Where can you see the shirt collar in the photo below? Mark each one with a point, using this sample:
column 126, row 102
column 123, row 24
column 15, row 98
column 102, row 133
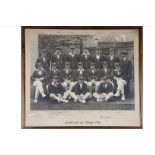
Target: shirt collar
column 54, row 69
column 111, row 56
column 86, row 54
column 55, row 83
column 97, row 55
column 81, row 69
column 67, row 69
column 71, row 54
column 57, row 54
column 40, row 69
column 124, row 59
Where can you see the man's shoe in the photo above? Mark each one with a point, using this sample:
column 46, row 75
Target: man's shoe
column 82, row 101
column 75, row 100
column 117, row 93
column 65, row 101
column 35, row 100
column 43, row 95
column 98, row 100
column 123, row 98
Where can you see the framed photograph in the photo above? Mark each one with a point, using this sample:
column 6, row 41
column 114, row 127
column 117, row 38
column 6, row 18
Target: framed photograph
column 82, row 77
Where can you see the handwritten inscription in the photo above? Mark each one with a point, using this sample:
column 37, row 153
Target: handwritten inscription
column 83, row 122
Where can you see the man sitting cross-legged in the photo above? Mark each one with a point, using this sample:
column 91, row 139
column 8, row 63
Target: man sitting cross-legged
column 80, row 91
column 56, row 90
column 105, row 90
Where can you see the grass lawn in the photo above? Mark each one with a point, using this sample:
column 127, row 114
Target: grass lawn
column 47, row 104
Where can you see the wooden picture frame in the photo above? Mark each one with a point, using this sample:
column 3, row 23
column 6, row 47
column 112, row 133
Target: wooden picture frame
column 114, row 114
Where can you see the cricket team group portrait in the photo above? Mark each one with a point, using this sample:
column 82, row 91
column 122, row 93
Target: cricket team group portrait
column 85, row 71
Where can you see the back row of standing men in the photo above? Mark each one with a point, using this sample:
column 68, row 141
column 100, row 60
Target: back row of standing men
column 96, row 71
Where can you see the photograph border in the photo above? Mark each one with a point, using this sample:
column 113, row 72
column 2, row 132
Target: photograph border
column 23, row 66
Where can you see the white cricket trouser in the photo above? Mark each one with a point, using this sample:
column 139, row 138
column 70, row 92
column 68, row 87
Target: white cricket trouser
column 68, row 85
column 103, row 95
column 39, row 88
column 82, row 96
column 120, row 84
column 93, row 82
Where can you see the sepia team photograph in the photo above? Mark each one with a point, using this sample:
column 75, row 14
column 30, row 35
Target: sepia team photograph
column 78, row 72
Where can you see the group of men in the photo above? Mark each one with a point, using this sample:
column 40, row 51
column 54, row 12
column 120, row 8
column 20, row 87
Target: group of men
column 81, row 77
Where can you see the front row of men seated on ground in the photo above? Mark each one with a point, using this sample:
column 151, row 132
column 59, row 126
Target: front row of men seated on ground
column 103, row 80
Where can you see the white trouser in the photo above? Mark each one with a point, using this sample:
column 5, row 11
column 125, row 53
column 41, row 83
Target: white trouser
column 39, row 88
column 103, row 95
column 120, row 85
column 57, row 97
column 91, row 83
column 81, row 96
column 97, row 86
column 66, row 94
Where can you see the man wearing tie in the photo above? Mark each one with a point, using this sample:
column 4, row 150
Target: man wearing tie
column 126, row 66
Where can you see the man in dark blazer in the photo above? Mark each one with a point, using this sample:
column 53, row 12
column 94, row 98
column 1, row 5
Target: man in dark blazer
column 54, row 72
column 98, row 58
column 80, row 92
column 112, row 58
column 106, row 71
column 44, row 59
column 68, row 77
column 72, row 57
column 85, row 58
column 92, row 77
column 126, row 66
column 56, row 91
column 105, row 90
column 80, row 71
column 58, row 58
